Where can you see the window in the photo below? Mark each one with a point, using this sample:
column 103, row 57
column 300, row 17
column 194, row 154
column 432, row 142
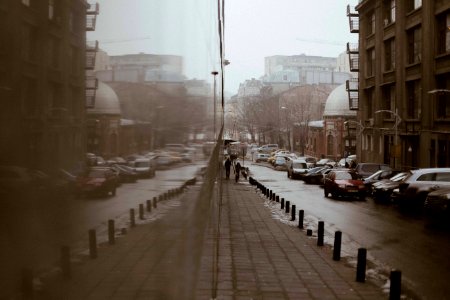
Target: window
column 370, row 23
column 414, row 40
column 388, row 12
column 54, row 52
column 30, row 106
column 389, row 97
column 370, row 71
column 29, row 42
column 443, row 99
column 369, row 103
column 413, row 99
column 411, row 5
column 389, row 55
column 443, row 33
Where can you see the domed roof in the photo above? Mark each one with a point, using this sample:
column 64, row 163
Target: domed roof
column 106, row 101
column 338, row 104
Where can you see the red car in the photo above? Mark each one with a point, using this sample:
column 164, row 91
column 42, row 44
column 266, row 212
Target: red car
column 100, row 181
column 344, row 183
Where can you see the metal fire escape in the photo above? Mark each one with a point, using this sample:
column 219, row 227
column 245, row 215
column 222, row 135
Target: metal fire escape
column 91, row 52
column 352, row 85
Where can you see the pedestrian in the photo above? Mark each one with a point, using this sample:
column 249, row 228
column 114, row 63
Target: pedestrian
column 237, row 170
column 227, row 167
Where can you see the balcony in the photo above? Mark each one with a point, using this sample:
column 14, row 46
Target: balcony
column 352, row 87
column 353, row 19
column 353, row 56
column 91, row 52
column 91, row 16
column 91, row 90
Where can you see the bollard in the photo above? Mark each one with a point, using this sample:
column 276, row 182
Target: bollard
column 141, row 211
column 337, row 245
column 361, row 265
column 132, row 221
column 111, row 231
column 149, row 205
column 277, row 199
column 270, row 196
column 282, row 203
column 155, row 203
column 320, row 232
column 309, row 232
column 274, row 196
column 65, row 262
column 92, row 244
column 396, row 285
column 160, row 198
column 301, row 216
column 293, row 213
column 288, row 207
column 27, row 283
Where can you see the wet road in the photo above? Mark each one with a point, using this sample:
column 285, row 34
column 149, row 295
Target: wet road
column 393, row 239
column 33, row 230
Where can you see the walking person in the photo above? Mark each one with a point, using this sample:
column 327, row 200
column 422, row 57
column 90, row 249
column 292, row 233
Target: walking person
column 227, row 167
column 237, row 170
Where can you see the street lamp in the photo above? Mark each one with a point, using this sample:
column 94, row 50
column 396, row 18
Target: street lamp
column 214, row 73
column 398, row 120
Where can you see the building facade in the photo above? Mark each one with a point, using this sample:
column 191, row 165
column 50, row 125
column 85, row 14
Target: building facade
column 403, row 58
column 42, row 82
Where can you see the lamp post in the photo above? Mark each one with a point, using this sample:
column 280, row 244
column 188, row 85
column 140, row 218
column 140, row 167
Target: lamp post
column 214, row 73
column 398, row 120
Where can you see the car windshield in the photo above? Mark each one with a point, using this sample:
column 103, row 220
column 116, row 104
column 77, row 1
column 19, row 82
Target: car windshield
column 346, row 176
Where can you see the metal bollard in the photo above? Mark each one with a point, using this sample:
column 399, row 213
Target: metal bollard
column 27, row 283
column 92, row 244
column 301, row 216
column 288, row 207
column 160, row 198
column 293, row 213
column 148, row 204
column 320, row 232
column 396, row 285
column 132, row 221
column 337, row 245
column 361, row 265
column 282, row 203
column 274, row 196
column 309, row 232
column 111, row 231
column 277, row 198
column 270, row 195
column 141, row 211
column 65, row 262
column 155, row 203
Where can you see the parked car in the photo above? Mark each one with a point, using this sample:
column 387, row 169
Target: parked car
column 268, row 148
column 437, row 205
column 364, row 170
column 382, row 190
column 97, row 181
column 296, row 168
column 377, row 176
column 326, row 161
column 413, row 191
column 126, row 173
column 261, row 157
column 144, row 167
column 280, row 162
column 344, row 183
column 315, row 175
column 175, row 148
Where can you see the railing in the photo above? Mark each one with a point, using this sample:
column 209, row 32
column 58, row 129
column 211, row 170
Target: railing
column 91, row 16
column 91, row 90
column 352, row 85
column 352, row 48
column 354, row 62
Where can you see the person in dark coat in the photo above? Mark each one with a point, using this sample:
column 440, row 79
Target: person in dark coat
column 237, row 169
column 227, row 167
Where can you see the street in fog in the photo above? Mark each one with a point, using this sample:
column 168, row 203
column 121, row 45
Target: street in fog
column 393, row 239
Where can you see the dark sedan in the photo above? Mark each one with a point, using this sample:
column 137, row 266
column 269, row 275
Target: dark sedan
column 382, row 190
column 315, row 175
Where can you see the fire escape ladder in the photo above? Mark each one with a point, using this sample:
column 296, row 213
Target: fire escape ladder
column 91, row 16
column 91, row 52
column 353, row 19
column 352, row 87
column 91, row 89
column 353, row 56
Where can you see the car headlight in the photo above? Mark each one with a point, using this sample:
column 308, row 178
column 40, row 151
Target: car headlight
column 342, row 186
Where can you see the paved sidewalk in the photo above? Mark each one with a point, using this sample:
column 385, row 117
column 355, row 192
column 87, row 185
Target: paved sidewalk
column 174, row 257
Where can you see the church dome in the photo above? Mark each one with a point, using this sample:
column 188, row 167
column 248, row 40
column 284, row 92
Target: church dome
column 337, row 104
column 106, row 101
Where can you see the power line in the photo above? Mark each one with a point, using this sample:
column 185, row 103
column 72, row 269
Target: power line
column 113, row 41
